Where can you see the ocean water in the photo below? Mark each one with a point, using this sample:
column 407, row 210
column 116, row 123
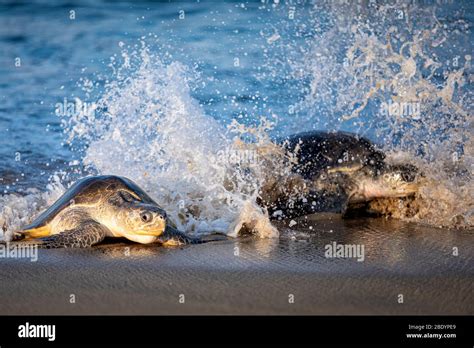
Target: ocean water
column 180, row 96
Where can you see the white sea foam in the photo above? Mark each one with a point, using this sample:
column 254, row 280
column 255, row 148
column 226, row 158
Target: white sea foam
column 17, row 210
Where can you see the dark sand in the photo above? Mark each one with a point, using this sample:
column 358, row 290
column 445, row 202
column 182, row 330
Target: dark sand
column 400, row 258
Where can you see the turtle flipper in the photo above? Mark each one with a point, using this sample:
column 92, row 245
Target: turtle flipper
column 85, row 235
column 173, row 237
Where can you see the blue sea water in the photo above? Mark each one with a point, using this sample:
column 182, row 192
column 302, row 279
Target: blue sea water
column 282, row 60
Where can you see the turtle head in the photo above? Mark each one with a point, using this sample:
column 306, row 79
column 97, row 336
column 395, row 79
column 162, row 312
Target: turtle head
column 135, row 218
column 390, row 181
column 146, row 219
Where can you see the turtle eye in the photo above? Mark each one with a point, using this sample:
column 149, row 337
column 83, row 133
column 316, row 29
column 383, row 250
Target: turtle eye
column 146, row 217
column 408, row 176
column 127, row 197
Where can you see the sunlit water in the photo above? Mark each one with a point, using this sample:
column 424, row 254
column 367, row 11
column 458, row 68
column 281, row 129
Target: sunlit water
column 161, row 93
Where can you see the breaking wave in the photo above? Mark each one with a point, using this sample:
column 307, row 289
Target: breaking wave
column 398, row 72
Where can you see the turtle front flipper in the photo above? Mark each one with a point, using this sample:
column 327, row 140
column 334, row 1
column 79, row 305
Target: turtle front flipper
column 84, row 235
column 172, row 237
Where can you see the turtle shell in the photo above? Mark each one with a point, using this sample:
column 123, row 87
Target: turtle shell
column 90, row 190
column 317, row 151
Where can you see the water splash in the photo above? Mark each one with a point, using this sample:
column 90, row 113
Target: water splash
column 152, row 131
column 17, row 210
column 399, row 73
column 147, row 127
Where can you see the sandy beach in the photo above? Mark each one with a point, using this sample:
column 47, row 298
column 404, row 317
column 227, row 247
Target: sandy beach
column 289, row 275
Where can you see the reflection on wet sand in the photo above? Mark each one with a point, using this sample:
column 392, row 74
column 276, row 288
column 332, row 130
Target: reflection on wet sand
column 387, row 243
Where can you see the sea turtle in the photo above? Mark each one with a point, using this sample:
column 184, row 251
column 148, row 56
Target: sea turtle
column 336, row 171
column 96, row 207
column 318, row 151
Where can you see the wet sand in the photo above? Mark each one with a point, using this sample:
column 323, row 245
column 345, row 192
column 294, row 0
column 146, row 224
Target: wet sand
column 252, row 276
